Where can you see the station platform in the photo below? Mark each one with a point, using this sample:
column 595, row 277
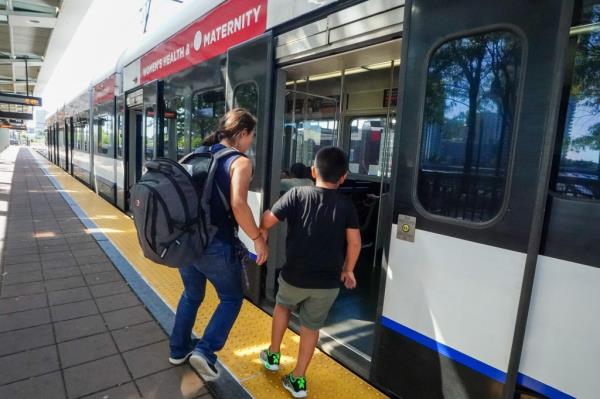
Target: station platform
column 82, row 312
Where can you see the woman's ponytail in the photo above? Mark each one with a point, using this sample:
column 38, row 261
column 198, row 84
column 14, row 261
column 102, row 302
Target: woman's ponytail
column 211, row 139
column 231, row 125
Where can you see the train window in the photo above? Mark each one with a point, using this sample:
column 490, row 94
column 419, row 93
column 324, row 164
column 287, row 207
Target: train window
column 149, row 134
column 246, row 96
column 579, row 167
column 120, row 125
column 470, row 103
column 105, row 135
column 207, row 108
column 366, row 134
column 86, row 137
column 175, row 115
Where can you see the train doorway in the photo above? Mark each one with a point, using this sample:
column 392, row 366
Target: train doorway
column 133, row 143
column 347, row 100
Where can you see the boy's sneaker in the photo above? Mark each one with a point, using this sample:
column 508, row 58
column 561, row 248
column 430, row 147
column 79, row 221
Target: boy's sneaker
column 207, row 371
column 180, row 360
column 270, row 360
column 296, row 386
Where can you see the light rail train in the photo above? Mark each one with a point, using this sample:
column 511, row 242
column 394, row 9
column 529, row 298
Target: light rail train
column 473, row 134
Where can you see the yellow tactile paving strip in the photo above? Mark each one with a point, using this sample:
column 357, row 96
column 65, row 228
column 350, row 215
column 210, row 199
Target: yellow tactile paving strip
column 251, row 333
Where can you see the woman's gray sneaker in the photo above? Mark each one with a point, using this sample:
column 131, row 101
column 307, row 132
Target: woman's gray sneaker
column 207, row 371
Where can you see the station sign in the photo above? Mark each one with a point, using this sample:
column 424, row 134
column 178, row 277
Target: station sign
column 9, row 98
column 229, row 24
column 105, row 90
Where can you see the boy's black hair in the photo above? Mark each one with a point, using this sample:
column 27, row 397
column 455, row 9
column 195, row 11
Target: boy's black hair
column 331, row 164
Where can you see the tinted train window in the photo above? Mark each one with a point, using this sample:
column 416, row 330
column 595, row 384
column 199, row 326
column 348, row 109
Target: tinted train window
column 175, row 124
column 579, row 170
column 105, row 135
column 207, row 108
column 366, row 135
column 120, row 124
column 468, row 122
column 149, row 134
column 246, row 96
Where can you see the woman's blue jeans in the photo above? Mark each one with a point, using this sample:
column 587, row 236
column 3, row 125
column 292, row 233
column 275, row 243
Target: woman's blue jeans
column 219, row 265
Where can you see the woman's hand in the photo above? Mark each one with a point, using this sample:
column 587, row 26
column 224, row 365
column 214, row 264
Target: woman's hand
column 261, row 249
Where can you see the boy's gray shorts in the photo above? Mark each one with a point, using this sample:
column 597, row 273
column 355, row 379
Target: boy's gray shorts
column 313, row 304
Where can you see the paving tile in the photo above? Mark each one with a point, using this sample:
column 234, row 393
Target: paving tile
column 29, row 338
column 64, row 283
column 21, row 251
column 86, row 349
column 22, row 289
column 58, row 261
column 61, row 272
column 126, row 317
column 101, row 290
column 86, row 260
column 77, row 328
column 52, row 242
column 80, row 238
column 51, row 385
column 102, row 278
column 70, row 295
column 22, row 277
column 174, row 383
column 139, row 335
column 88, row 252
column 28, row 318
column 119, row 301
column 28, row 364
column 95, row 376
column 148, row 359
column 97, row 268
column 23, row 267
column 44, row 250
column 73, row 310
column 85, row 245
column 126, row 391
column 16, row 259
column 28, row 243
column 21, row 303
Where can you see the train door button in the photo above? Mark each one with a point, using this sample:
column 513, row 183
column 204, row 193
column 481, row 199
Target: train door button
column 406, row 228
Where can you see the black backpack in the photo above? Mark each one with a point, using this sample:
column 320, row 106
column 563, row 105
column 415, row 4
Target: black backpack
column 171, row 206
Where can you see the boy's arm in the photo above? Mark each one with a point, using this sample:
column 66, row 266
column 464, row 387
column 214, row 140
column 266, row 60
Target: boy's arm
column 279, row 211
column 268, row 220
column 352, row 252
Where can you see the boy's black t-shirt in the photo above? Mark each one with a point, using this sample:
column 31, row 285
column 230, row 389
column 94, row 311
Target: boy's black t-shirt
column 316, row 237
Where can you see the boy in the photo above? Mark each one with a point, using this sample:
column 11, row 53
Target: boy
column 323, row 243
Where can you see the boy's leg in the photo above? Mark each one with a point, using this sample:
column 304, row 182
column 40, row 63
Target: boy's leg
column 313, row 313
column 281, row 317
column 308, row 343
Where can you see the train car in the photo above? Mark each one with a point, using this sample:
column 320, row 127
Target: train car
column 472, row 134
column 81, row 161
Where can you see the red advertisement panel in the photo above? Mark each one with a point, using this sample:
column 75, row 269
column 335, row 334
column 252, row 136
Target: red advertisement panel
column 233, row 22
column 104, row 90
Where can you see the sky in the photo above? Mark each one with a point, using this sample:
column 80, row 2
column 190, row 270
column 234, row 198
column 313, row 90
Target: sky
column 108, row 28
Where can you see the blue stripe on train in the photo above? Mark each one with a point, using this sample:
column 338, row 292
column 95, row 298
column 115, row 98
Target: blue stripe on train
column 471, row 362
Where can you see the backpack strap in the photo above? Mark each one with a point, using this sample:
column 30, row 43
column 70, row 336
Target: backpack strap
column 232, row 155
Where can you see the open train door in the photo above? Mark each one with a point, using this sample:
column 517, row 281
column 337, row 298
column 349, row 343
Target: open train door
column 481, row 85
column 249, row 74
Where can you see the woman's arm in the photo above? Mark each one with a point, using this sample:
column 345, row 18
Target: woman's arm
column 241, row 173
